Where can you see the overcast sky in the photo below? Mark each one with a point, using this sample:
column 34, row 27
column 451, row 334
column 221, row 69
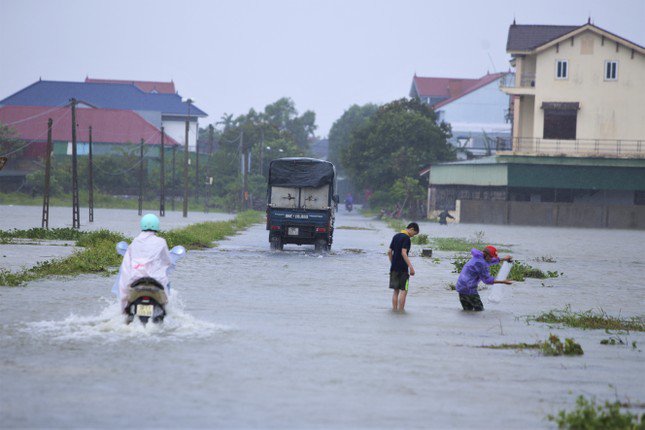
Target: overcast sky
column 233, row 55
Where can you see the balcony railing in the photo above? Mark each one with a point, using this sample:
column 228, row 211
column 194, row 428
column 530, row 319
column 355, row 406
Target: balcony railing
column 580, row 147
column 527, row 80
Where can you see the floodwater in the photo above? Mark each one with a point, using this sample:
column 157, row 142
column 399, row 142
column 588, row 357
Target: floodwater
column 262, row 339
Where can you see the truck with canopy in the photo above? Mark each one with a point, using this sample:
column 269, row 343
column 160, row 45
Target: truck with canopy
column 301, row 202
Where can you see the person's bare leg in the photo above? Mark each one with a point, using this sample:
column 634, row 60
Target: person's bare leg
column 402, row 297
column 395, row 299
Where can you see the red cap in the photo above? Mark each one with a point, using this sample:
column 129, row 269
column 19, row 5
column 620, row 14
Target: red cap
column 492, row 251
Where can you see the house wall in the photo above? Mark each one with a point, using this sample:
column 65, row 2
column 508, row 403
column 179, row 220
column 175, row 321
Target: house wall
column 526, row 114
column 484, row 108
column 551, row 214
column 608, row 109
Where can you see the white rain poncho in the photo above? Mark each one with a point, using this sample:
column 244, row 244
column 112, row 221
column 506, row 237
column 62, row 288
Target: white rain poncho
column 147, row 256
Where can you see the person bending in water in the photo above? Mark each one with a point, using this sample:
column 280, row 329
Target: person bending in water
column 475, row 270
column 400, row 263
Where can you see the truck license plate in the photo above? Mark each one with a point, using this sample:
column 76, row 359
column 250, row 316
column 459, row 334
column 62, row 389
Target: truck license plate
column 144, row 310
column 292, row 231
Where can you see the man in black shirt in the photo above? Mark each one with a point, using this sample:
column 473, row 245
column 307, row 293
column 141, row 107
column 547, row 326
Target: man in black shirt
column 399, row 264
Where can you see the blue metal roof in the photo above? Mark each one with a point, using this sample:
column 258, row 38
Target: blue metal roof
column 107, row 96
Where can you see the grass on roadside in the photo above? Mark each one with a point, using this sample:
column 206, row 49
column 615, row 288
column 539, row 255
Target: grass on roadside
column 589, row 319
column 99, row 256
column 203, row 234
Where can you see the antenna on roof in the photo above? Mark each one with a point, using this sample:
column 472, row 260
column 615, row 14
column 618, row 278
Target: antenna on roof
column 491, row 62
column 514, row 20
column 589, row 19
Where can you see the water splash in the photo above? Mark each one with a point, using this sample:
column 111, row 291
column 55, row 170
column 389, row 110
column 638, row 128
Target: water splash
column 109, row 326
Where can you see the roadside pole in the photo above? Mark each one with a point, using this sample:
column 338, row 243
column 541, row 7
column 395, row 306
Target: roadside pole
column 76, row 218
column 162, row 178
column 48, row 167
column 90, row 179
column 141, row 178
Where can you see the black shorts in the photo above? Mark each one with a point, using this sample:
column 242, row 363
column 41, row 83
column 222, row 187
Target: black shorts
column 471, row 302
column 399, row 280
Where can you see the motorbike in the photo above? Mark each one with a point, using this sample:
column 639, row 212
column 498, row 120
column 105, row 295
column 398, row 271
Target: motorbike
column 147, row 298
column 349, row 206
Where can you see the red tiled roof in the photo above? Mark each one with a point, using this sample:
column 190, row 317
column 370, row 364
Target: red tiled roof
column 108, row 125
column 145, row 86
column 440, row 87
column 478, row 83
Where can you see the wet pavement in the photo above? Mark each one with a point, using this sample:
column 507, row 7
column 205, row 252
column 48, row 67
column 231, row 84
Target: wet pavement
column 293, row 339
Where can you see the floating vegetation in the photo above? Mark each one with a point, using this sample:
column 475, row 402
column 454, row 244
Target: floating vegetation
column 545, row 259
column 514, row 346
column 354, row 250
column 420, row 239
column 519, row 271
column 452, row 287
column 553, row 346
column 99, row 256
column 590, row 415
column 589, row 320
column 455, row 244
column 347, row 227
column 617, row 340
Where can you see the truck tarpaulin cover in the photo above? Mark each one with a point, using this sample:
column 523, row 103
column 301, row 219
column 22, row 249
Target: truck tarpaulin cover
column 301, row 172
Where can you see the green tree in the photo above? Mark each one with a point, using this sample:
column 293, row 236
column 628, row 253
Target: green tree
column 9, row 141
column 396, row 142
column 341, row 131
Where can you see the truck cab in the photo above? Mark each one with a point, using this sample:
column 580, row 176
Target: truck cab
column 301, row 202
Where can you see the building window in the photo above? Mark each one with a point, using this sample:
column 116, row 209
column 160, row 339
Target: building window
column 560, row 124
column 561, row 69
column 611, row 70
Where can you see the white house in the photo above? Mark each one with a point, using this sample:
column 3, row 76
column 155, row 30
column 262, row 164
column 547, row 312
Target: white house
column 477, row 109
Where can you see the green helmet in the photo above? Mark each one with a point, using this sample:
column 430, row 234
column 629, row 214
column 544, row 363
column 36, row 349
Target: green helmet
column 150, row 222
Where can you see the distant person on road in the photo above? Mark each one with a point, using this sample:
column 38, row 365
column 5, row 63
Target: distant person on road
column 399, row 265
column 443, row 216
column 349, row 202
column 474, row 271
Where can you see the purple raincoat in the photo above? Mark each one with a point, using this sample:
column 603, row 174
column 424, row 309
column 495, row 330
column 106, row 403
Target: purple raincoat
column 474, row 271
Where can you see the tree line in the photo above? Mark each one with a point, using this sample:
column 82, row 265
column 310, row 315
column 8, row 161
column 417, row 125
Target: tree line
column 378, row 151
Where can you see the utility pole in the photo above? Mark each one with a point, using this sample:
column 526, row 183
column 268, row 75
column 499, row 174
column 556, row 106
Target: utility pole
column 174, row 153
column 262, row 150
column 90, row 180
column 186, row 162
column 76, row 218
column 197, row 184
column 48, row 167
column 162, row 178
column 245, row 172
column 141, row 178
column 208, row 191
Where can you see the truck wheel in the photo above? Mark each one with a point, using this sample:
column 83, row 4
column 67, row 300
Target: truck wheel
column 321, row 245
column 276, row 243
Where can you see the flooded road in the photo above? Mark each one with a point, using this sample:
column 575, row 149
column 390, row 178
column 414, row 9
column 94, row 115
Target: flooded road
column 261, row 339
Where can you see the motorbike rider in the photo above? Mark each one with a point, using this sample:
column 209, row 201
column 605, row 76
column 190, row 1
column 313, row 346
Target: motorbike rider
column 147, row 256
column 349, row 202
